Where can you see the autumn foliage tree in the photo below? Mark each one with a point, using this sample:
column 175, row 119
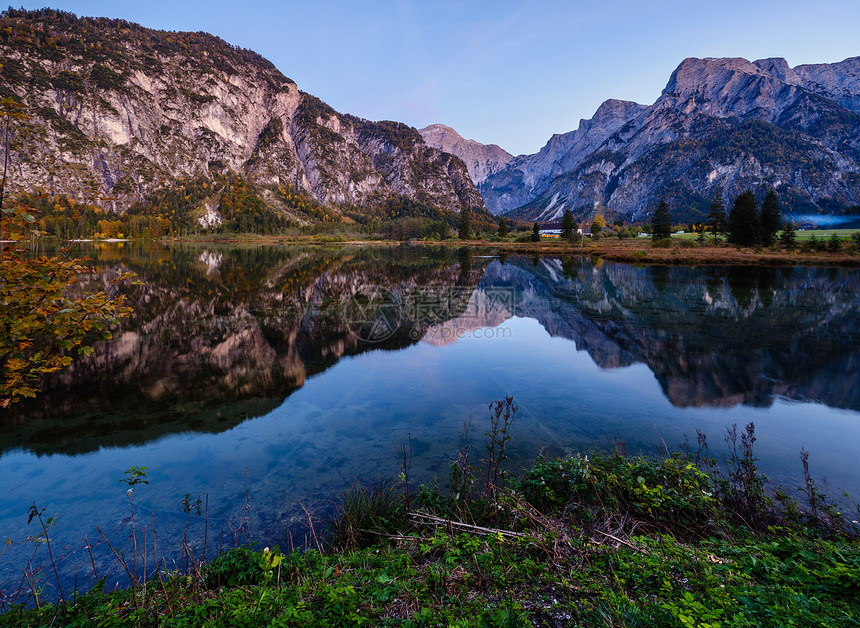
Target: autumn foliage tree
column 42, row 325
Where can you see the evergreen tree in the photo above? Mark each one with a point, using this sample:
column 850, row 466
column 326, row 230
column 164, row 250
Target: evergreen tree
column 788, row 238
column 567, row 225
column 716, row 222
column 503, row 227
column 535, row 233
column 771, row 219
column 744, row 220
column 661, row 222
column 465, row 231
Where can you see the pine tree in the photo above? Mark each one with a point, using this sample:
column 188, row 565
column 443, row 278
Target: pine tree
column 503, row 227
column 771, row 219
column 788, row 238
column 661, row 223
column 744, row 220
column 567, row 226
column 465, row 231
column 716, row 222
column 535, row 233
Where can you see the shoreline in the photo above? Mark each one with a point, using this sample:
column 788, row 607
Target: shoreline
column 639, row 251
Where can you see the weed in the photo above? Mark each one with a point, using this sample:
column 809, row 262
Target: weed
column 743, row 489
column 502, row 414
column 365, row 513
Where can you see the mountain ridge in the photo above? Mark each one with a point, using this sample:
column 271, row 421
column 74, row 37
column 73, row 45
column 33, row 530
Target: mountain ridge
column 720, row 124
column 124, row 112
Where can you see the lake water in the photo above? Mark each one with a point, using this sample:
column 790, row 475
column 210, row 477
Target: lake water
column 270, row 378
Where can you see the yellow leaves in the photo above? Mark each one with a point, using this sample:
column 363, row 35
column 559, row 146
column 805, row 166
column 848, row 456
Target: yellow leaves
column 39, row 324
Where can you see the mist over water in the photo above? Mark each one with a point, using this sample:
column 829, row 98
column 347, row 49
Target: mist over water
column 825, row 221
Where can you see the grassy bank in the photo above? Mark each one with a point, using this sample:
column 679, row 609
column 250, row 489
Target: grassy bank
column 608, row 539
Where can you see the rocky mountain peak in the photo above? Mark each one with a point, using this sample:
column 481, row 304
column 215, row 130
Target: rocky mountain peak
column 778, row 68
column 441, row 131
column 612, row 111
column 482, row 160
column 709, row 76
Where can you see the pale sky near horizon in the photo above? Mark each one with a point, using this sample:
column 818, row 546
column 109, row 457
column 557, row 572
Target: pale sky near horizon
column 502, row 72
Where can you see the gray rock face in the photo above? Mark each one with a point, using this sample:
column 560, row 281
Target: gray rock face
column 720, row 125
column 482, row 160
column 840, row 81
column 119, row 111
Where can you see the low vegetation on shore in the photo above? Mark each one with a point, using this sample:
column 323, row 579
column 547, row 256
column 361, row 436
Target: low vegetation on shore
column 609, row 539
column 684, row 251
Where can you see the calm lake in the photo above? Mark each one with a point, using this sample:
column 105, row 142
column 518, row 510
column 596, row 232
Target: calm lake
column 270, row 378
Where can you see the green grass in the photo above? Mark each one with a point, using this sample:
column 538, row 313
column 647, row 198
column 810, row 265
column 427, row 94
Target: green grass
column 607, row 539
column 820, row 233
column 801, row 235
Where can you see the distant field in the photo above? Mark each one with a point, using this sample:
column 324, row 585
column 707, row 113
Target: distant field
column 805, row 235
column 801, row 235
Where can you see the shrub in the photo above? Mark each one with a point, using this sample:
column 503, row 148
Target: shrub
column 665, row 243
column 673, row 491
column 237, row 567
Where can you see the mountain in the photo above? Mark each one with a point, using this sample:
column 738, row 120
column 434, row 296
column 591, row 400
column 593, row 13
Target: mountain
column 720, row 125
column 132, row 114
column 482, row 160
column 527, row 176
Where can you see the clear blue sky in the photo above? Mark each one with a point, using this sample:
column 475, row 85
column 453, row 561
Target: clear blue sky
column 504, row 72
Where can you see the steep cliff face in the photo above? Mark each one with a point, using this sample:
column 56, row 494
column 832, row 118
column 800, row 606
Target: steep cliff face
column 482, row 160
column 120, row 111
column 720, row 125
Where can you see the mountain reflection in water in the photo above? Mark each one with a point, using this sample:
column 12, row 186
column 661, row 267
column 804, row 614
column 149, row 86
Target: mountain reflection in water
column 222, row 335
